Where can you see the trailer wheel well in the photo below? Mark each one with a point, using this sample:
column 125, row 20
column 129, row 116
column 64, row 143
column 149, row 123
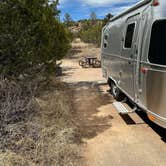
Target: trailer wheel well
column 110, row 81
column 115, row 91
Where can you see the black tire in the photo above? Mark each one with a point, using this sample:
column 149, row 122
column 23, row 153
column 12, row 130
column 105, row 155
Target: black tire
column 109, row 82
column 116, row 92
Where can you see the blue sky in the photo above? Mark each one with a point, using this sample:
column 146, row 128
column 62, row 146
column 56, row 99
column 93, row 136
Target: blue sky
column 81, row 9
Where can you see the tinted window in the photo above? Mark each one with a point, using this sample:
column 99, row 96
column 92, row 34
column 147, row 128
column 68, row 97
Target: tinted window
column 129, row 35
column 157, row 51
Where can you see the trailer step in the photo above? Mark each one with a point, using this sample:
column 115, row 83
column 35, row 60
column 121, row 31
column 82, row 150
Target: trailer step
column 122, row 109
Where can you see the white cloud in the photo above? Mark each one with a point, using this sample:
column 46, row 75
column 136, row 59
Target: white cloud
column 96, row 3
column 104, row 2
column 112, row 6
column 62, row 1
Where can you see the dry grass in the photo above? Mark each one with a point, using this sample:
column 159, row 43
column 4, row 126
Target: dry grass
column 57, row 143
column 86, row 49
column 36, row 128
column 78, row 43
column 12, row 159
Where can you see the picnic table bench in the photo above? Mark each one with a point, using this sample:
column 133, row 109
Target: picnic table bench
column 90, row 61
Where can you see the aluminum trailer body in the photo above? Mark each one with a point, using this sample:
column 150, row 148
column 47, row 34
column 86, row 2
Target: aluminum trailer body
column 134, row 56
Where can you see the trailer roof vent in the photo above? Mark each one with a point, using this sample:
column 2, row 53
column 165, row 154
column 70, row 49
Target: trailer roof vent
column 155, row 3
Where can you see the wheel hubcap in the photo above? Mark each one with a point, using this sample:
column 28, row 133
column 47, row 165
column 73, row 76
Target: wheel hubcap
column 114, row 89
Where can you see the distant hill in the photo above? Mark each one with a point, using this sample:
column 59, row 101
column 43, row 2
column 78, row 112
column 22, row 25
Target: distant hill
column 80, row 24
column 88, row 30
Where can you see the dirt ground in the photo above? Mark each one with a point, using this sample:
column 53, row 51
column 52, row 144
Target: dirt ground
column 109, row 139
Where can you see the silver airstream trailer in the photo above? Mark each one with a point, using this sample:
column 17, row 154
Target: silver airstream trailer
column 134, row 57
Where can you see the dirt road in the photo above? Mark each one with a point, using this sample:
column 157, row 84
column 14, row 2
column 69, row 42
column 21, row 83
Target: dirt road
column 109, row 139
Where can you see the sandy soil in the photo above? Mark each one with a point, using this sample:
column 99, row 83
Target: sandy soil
column 109, row 139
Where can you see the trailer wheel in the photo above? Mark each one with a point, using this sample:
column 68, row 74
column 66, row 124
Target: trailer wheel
column 116, row 92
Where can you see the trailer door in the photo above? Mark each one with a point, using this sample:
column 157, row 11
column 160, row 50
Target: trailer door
column 129, row 54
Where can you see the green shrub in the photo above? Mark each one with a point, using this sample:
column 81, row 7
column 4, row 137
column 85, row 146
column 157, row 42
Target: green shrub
column 30, row 34
column 91, row 33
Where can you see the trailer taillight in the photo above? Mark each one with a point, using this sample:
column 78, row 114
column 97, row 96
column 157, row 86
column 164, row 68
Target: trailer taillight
column 151, row 117
column 144, row 70
column 156, row 3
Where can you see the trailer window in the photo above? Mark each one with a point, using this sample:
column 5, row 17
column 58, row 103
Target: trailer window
column 129, row 35
column 157, row 49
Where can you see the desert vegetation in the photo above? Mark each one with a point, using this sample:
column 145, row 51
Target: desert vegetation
column 36, row 125
column 88, row 30
column 31, row 35
column 35, row 113
column 92, row 29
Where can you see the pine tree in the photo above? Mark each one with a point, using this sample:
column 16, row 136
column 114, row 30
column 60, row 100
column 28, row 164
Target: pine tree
column 68, row 20
column 30, row 34
column 93, row 18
